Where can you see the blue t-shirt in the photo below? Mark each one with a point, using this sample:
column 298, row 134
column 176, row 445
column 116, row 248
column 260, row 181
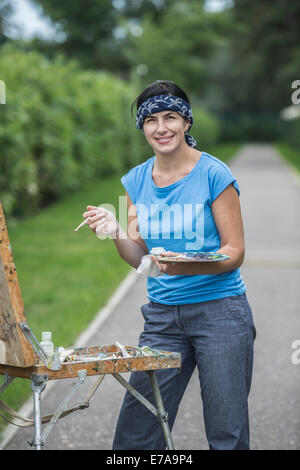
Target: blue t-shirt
column 179, row 218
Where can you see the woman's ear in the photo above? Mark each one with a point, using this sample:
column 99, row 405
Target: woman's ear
column 186, row 125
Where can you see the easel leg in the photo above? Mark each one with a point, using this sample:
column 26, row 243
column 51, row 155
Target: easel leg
column 162, row 414
column 37, row 386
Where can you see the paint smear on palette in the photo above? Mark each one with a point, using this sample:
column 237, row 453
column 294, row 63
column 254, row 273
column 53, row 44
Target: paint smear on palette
column 144, row 351
column 191, row 257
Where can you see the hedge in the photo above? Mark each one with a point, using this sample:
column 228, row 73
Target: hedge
column 256, row 127
column 293, row 134
column 205, row 129
column 62, row 126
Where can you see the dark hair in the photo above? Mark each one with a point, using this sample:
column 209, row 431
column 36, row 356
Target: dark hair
column 159, row 87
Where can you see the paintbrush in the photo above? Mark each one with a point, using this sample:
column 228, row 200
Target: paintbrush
column 81, row 225
column 123, row 349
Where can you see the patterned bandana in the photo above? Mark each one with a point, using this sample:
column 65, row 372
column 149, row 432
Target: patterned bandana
column 165, row 103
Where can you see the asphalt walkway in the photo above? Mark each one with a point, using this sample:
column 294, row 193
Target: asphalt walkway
column 270, row 207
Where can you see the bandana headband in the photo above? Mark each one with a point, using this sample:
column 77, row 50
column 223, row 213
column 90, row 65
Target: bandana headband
column 155, row 104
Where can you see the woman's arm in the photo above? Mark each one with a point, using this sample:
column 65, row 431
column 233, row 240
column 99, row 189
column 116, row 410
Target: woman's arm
column 131, row 247
column 228, row 219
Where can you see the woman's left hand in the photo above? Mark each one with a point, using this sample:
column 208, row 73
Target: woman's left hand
column 173, row 269
column 186, row 268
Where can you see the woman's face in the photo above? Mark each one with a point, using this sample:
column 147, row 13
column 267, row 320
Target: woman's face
column 165, row 130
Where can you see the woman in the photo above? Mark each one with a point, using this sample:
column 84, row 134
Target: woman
column 185, row 200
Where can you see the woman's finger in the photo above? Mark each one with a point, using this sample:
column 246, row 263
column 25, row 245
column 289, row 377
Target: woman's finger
column 88, row 214
column 97, row 217
column 100, row 228
column 97, row 225
column 94, row 213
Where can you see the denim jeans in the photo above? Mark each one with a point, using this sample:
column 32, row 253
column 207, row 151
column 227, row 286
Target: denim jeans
column 216, row 336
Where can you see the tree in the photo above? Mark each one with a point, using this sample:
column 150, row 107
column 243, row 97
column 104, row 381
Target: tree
column 179, row 48
column 5, row 11
column 94, row 30
column 263, row 54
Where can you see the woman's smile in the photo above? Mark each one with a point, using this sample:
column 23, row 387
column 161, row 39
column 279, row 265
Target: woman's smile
column 164, row 140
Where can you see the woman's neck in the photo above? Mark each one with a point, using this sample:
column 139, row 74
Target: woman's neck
column 180, row 161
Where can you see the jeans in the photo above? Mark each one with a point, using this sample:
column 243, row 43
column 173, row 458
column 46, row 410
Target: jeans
column 217, row 336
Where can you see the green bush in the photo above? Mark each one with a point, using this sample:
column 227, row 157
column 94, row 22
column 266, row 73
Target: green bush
column 251, row 127
column 60, row 127
column 293, row 134
column 205, row 129
column 290, row 153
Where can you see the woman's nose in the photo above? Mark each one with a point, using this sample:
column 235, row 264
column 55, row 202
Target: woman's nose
column 161, row 127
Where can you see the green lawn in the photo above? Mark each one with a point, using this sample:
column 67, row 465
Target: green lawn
column 66, row 277
column 290, row 154
column 224, row 151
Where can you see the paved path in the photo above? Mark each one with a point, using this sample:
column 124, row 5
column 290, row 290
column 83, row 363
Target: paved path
column 270, row 206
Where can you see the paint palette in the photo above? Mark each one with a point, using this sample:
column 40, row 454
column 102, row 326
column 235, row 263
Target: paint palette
column 191, row 257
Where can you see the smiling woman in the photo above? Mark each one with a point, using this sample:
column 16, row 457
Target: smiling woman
column 183, row 199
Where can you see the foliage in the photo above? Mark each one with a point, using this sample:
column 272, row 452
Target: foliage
column 257, row 64
column 92, row 33
column 5, row 12
column 239, row 61
column 60, row 127
column 293, row 134
column 291, row 154
column 206, row 128
column 266, row 45
column 259, row 126
column 177, row 48
column 121, row 35
column 85, row 31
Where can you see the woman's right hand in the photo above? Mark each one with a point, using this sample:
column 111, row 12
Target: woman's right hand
column 101, row 221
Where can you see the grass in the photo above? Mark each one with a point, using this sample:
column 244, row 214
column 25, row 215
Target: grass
column 290, row 154
column 66, row 277
column 224, row 151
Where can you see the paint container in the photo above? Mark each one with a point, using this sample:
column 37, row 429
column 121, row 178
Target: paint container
column 47, row 344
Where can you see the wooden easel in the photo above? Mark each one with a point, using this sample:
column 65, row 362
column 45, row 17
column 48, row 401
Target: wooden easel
column 21, row 356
